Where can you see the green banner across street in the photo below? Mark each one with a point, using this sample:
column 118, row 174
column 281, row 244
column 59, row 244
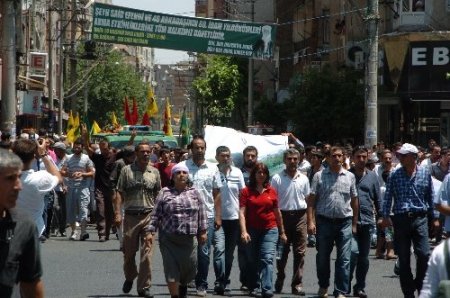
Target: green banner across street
column 121, row 25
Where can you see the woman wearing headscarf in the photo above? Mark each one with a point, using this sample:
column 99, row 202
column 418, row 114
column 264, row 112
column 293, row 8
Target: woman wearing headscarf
column 180, row 217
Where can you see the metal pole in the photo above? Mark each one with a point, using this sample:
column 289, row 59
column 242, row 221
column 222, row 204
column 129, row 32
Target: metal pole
column 8, row 46
column 50, row 59
column 372, row 75
column 250, row 77
column 61, row 66
column 73, row 60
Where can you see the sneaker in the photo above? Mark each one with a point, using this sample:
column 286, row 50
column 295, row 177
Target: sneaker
column 145, row 293
column 42, row 238
column 84, row 236
column 101, row 239
column 74, row 235
column 127, row 285
column 243, row 288
column 322, row 293
column 201, row 292
column 191, row 285
column 298, row 291
column 340, row 296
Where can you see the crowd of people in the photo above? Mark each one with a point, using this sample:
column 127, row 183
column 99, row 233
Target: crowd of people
column 340, row 197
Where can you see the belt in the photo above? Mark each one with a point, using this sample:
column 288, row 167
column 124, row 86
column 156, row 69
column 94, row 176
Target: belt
column 293, row 212
column 335, row 220
column 138, row 211
column 411, row 214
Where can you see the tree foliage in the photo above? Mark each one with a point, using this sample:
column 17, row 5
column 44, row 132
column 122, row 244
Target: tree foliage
column 217, row 88
column 110, row 80
column 328, row 105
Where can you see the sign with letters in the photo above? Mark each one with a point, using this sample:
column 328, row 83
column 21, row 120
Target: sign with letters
column 121, row 25
column 428, row 72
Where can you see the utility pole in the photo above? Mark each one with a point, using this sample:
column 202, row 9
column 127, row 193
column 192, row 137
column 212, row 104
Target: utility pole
column 50, row 83
column 8, row 54
column 372, row 75
column 250, row 76
column 73, row 60
column 62, row 37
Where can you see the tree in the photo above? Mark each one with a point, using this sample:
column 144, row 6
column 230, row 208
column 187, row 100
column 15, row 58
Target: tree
column 328, row 105
column 109, row 81
column 217, row 88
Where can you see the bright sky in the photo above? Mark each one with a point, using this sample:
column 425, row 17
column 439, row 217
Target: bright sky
column 180, row 7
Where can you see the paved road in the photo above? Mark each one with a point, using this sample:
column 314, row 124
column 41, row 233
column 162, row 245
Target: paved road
column 94, row 269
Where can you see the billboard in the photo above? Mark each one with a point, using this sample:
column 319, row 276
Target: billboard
column 121, row 25
column 428, row 72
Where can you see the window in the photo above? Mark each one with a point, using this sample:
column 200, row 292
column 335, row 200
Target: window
column 325, row 24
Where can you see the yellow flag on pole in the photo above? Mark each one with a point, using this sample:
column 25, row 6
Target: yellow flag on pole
column 152, row 107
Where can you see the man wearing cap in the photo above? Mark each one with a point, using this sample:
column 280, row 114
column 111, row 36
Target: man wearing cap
column 137, row 188
column 409, row 190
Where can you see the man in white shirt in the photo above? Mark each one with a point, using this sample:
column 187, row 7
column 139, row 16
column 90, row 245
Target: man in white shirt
column 232, row 183
column 292, row 187
column 35, row 184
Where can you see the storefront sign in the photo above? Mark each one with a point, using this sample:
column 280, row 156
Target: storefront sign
column 115, row 24
column 428, row 72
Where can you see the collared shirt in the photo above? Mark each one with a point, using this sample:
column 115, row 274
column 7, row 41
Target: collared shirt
column 334, row 192
column 260, row 207
column 139, row 189
column 232, row 184
column 443, row 198
column 409, row 194
column 246, row 175
column 292, row 192
column 436, row 272
column 176, row 212
column 368, row 195
column 205, row 178
column 437, row 172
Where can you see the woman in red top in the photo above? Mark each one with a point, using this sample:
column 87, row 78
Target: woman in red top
column 261, row 225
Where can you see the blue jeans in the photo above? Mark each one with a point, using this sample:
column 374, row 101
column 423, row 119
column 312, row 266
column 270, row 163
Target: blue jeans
column 217, row 239
column 415, row 230
column 360, row 256
column 232, row 234
column 330, row 231
column 260, row 263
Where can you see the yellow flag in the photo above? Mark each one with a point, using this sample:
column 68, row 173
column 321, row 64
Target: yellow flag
column 167, row 128
column 114, row 120
column 95, row 128
column 76, row 121
column 70, row 122
column 152, row 107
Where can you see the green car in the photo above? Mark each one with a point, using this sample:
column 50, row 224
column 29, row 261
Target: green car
column 120, row 140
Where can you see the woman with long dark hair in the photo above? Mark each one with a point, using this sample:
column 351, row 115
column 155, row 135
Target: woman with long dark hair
column 261, row 225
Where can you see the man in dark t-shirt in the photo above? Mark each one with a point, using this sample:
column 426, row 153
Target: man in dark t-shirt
column 20, row 260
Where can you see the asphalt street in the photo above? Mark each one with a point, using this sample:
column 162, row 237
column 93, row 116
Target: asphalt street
column 94, row 269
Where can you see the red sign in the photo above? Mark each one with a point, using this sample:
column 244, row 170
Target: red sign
column 38, row 62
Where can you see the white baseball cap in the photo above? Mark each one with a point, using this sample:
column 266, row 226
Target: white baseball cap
column 408, row 149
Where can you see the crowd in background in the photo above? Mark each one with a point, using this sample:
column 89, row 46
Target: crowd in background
column 344, row 196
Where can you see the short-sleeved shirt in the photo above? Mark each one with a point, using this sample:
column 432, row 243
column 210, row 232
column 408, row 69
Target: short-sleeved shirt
column 437, row 172
column 104, row 165
column 232, row 184
column 334, row 192
column 21, row 261
column 205, row 179
column 35, row 185
column 260, row 208
column 78, row 163
column 165, row 172
column 292, row 192
column 139, row 189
